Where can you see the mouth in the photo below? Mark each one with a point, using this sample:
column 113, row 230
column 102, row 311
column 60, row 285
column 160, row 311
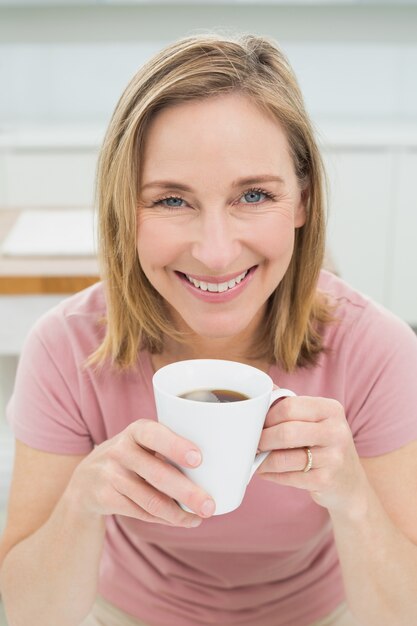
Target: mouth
column 221, row 286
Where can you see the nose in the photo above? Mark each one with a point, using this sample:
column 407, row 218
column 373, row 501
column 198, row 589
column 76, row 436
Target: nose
column 217, row 244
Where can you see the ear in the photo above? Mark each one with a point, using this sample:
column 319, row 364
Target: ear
column 301, row 209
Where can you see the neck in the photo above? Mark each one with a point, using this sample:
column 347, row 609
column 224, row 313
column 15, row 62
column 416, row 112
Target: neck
column 235, row 348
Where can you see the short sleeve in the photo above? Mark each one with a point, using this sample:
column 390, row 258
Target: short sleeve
column 44, row 411
column 381, row 382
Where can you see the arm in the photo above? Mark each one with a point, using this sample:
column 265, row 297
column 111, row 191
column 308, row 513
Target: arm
column 50, row 551
column 52, row 560
column 376, row 543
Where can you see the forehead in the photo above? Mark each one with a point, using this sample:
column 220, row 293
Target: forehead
column 228, row 132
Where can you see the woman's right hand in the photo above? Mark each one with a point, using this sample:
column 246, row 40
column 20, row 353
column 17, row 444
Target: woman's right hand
column 130, row 474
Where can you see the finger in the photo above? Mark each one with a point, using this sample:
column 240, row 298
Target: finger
column 158, row 438
column 125, row 506
column 293, row 435
column 151, row 505
column 300, row 480
column 168, row 479
column 291, row 460
column 304, row 408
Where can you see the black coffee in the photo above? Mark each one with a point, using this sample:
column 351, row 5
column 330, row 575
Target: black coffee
column 214, row 395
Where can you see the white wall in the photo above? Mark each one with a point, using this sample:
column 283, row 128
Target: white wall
column 69, row 64
column 81, row 82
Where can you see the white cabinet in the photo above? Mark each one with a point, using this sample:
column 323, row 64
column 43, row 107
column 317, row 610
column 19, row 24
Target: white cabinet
column 359, row 216
column 48, row 178
column 402, row 241
column 49, row 166
column 3, row 181
column 372, row 223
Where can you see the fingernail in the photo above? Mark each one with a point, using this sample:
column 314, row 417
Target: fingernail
column 194, row 522
column 208, row 507
column 193, row 458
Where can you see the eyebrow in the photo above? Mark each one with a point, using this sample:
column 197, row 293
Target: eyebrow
column 239, row 182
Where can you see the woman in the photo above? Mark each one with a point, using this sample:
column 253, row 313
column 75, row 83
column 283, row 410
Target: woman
column 212, row 234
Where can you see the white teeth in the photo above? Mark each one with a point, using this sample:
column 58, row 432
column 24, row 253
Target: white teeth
column 217, row 287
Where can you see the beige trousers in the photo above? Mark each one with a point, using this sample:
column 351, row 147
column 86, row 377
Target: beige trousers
column 105, row 614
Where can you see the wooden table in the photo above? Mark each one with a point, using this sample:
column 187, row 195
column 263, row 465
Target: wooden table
column 29, row 286
column 42, row 275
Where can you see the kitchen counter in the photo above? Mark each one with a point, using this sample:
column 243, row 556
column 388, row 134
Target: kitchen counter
column 42, row 275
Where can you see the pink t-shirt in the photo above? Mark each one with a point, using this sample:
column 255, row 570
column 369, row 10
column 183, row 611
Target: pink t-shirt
column 271, row 562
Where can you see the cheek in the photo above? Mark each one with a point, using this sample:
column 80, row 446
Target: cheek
column 156, row 244
column 276, row 241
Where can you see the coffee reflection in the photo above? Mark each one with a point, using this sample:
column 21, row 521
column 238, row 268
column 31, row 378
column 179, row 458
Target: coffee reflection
column 214, row 395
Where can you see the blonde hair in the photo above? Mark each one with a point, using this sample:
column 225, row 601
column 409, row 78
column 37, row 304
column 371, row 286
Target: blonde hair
column 192, row 68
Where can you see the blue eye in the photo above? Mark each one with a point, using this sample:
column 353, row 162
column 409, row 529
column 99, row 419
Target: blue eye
column 176, row 202
column 253, row 196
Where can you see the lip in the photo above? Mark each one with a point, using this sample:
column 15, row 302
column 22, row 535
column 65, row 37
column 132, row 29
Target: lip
column 217, row 297
column 216, row 279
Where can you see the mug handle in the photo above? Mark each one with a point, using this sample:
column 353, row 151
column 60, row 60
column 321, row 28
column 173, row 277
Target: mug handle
column 261, row 456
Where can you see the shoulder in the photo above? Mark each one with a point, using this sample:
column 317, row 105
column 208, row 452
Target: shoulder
column 53, row 406
column 359, row 319
column 76, row 324
column 346, row 298
column 84, row 304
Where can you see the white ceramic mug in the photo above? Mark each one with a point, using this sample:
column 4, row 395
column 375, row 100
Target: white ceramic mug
column 227, row 433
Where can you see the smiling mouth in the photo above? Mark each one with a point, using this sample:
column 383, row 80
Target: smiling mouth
column 217, row 287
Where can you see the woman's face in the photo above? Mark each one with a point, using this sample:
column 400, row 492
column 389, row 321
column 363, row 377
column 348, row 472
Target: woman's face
column 218, row 206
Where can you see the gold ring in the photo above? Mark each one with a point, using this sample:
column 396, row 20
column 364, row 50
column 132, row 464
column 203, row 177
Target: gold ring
column 309, row 463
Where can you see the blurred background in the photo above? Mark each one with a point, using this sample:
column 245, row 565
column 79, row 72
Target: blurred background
column 63, row 66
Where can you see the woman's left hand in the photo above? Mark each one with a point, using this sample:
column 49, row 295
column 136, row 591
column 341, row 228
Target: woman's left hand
column 336, row 479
